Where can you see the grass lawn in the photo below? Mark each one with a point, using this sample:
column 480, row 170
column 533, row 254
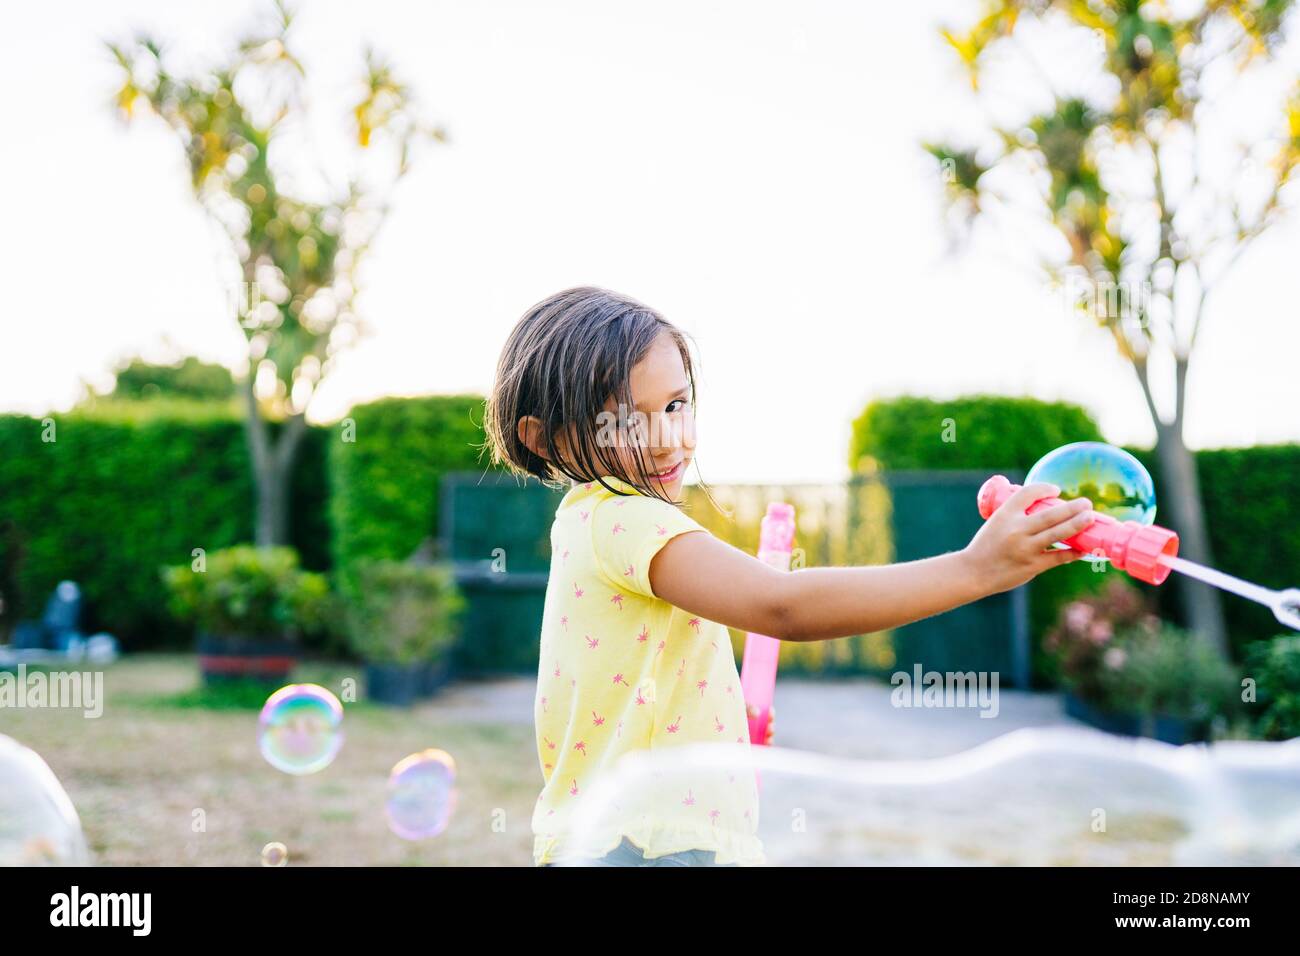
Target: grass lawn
column 164, row 749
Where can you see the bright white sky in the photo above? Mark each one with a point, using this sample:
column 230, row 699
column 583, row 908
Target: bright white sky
column 750, row 169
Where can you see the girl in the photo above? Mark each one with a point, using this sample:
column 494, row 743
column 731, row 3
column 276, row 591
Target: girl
column 597, row 391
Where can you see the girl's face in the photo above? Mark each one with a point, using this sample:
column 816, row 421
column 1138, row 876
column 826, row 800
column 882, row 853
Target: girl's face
column 666, row 419
column 662, row 422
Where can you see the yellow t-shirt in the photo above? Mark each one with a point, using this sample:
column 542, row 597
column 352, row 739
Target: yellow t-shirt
column 622, row 670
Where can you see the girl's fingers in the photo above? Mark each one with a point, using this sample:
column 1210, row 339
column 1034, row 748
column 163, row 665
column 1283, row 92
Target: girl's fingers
column 1020, row 500
column 1055, row 558
column 1066, row 529
column 1050, row 517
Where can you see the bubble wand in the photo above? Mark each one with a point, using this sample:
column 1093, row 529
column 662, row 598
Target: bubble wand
column 758, row 668
column 1146, row 552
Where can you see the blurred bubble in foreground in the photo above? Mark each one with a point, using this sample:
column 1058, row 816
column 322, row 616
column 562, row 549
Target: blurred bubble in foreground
column 38, row 824
column 1033, row 797
column 300, row 729
column 421, row 795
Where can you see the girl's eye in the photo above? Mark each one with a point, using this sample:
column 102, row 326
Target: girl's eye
column 680, row 403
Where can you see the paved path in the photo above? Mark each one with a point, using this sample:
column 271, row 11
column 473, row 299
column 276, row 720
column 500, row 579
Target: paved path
column 846, row 718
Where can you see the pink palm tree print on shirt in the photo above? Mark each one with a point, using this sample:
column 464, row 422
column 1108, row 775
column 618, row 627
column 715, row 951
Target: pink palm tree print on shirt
column 617, row 599
column 718, row 726
column 577, row 591
column 573, row 789
column 592, row 642
column 581, row 747
column 695, row 623
column 689, row 800
column 676, row 725
column 644, row 635
column 617, row 528
column 702, row 685
column 640, row 698
column 629, row 572
column 618, row 679
column 661, row 530
column 564, row 621
column 596, row 719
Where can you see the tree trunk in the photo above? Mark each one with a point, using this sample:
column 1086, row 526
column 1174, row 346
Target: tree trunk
column 272, row 464
column 1182, row 487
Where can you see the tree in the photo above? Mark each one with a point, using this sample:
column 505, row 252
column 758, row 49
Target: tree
column 297, row 257
column 1139, row 234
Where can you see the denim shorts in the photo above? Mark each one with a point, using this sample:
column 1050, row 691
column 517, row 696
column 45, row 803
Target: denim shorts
column 628, row 853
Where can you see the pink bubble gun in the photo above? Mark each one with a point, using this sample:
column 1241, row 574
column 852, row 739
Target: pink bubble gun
column 758, row 668
column 1147, row 552
column 1130, row 546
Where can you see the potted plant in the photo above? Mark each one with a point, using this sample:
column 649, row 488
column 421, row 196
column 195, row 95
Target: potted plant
column 1127, row 672
column 250, row 606
column 402, row 621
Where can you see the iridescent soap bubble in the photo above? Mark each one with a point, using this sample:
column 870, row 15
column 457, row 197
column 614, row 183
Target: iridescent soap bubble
column 300, row 729
column 1114, row 481
column 421, row 795
column 38, row 824
column 275, row 854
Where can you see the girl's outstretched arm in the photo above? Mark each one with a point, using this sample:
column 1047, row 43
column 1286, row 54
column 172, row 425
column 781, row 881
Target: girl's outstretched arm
column 708, row 577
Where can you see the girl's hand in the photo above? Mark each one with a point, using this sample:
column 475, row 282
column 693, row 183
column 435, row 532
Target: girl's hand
column 1013, row 547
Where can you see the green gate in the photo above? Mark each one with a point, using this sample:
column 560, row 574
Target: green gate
column 934, row 512
column 496, row 529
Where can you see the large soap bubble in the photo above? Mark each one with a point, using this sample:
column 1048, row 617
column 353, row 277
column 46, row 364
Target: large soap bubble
column 38, row 824
column 421, row 795
column 300, row 730
column 1114, row 481
column 1037, row 797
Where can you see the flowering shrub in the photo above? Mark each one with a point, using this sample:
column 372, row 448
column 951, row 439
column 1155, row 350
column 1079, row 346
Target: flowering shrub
column 1093, row 635
column 1116, row 654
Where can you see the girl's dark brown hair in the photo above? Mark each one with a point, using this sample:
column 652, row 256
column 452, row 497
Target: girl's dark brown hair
column 562, row 362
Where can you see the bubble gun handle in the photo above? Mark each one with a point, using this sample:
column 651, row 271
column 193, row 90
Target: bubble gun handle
column 758, row 668
column 1131, row 547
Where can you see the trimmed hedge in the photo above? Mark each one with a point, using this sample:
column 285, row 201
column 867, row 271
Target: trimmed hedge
column 984, row 431
column 120, row 493
column 385, row 476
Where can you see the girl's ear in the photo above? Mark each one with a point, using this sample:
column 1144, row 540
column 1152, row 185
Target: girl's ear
column 530, row 433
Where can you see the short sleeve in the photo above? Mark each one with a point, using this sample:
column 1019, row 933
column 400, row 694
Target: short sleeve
column 628, row 531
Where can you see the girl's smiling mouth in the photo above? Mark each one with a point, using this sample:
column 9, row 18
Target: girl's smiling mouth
column 673, row 473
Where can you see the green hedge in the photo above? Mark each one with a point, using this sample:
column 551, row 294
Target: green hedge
column 122, row 492
column 974, row 431
column 387, row 460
